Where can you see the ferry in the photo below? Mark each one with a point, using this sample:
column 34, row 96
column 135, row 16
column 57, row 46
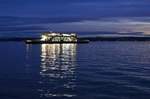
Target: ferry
column 53, row 37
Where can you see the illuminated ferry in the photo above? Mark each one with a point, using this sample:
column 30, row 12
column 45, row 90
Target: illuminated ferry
column 53, row 37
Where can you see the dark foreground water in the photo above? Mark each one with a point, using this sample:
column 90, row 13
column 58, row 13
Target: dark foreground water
column 98, row 70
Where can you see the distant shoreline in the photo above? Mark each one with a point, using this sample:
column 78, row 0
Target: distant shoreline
column 115, row 38
column 97, row 38
column 17, row 39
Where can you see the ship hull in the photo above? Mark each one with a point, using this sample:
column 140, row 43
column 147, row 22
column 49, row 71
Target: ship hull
column 50, row 42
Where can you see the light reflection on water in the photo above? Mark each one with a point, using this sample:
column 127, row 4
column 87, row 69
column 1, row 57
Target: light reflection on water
column 98, row 70
column 57, row 70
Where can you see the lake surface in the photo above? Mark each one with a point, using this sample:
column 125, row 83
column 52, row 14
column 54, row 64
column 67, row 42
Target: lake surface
column 98, row 70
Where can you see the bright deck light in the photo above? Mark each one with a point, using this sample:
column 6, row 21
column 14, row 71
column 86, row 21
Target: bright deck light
column 44, row 38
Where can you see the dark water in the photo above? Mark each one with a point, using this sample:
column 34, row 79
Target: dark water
column 98, row 70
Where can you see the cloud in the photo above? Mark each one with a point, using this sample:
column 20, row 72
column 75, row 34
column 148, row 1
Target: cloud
column 75, row 15
column 75, row 8
column 108, row 24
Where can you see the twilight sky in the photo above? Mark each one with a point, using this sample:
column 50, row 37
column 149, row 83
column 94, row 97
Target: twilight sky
column 76, row 15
